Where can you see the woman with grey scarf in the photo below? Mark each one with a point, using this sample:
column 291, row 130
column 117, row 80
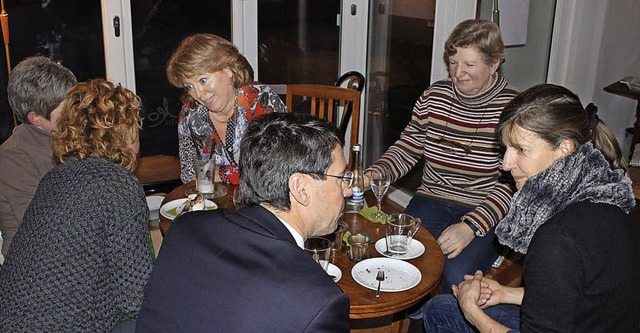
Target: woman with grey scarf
column 573, row 218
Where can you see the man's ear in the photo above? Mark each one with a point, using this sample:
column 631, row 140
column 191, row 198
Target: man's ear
column 298, row 184
column 34, row 119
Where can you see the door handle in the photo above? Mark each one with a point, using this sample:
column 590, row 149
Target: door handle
column 354, row 9
column 116, row 26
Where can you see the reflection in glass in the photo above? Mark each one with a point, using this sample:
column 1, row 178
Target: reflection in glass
column 399, row 67
column 158, row 28
column 66, row 31
column 298, row 41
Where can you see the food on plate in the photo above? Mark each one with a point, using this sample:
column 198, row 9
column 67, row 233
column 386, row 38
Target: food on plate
column 197, row 203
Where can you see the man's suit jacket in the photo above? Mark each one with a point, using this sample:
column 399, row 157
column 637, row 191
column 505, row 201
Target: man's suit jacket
column 223, row 271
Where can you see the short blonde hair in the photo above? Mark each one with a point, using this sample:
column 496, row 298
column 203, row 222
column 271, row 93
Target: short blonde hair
column 99, row 120
column 207, row 53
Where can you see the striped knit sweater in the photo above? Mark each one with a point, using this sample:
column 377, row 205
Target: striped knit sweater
column 455, row 134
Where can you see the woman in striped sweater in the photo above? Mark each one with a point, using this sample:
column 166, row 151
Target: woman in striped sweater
column 464, row 193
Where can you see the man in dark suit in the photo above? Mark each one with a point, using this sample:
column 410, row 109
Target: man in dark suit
column 247, row 271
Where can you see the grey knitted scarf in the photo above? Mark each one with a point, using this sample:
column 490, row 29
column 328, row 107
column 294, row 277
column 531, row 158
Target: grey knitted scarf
column 584, row 175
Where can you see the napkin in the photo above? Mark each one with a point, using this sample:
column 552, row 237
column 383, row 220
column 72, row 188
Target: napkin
column 345, row 237
column 370, row 211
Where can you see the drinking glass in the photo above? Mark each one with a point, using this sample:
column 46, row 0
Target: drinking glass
column 319, row 248
column 379, row 181
column 237, row 200
column 400, row 230
column 205, row 167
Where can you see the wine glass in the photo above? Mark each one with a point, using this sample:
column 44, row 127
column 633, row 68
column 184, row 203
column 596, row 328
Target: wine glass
column 237, row 200
column 379, row 181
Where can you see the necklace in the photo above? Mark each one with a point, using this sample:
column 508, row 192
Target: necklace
column 457, row 147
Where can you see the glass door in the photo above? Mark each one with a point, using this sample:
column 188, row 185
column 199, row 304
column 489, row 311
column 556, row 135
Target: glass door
column 62, row 30
column 158, row 26
column 527, row 56
column 285, row 41
column 298, row 41
column 398, row 71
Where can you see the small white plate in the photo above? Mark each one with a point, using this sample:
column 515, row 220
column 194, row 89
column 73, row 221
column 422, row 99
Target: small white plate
column 168, row 210
column 398, row 275
column 416, row 249
column 335, row 271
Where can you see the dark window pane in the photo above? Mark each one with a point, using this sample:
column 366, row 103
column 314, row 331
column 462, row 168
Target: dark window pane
column 158, row 27
column 399, row 67
column 298, row 41
column 65, row 30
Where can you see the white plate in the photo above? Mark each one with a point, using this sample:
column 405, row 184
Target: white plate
column 335, row 271
column 168, row 210
column 154, row 202
column 398, row 275
column 416, row 249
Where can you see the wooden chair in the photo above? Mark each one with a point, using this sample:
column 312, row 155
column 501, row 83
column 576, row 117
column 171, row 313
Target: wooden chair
column 324, row 102
column 158, row 173
column 509, row 273
column 351, row 80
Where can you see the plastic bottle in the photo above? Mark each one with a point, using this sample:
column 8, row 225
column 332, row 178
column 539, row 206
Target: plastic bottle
column 356, row 201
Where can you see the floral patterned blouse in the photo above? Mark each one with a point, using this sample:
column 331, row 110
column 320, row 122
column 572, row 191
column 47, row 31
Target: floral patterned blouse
column 194, row 126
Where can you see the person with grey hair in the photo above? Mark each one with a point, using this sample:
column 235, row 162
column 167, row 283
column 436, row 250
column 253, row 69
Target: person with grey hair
column 36, row 88
column 247, row 271
column 463, row 193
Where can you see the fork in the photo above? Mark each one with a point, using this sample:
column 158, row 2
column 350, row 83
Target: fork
column 182, row 209
column 380, row 278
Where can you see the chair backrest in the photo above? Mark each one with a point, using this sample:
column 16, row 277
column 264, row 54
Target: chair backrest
column 351, row 80
column 324, row 102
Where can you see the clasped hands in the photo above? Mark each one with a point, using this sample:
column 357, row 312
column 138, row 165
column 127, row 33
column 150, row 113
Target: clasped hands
column 478, row 291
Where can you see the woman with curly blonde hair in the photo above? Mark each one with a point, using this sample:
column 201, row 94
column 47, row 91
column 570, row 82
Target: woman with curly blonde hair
column 81, row 258
column 101, row 120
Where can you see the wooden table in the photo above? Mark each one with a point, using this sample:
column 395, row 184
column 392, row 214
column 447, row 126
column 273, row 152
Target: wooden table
column 621, row 89
column 368, row 313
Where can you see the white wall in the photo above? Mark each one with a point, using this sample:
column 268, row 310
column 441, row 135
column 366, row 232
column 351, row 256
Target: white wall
column 596, row 43
column 619, row 57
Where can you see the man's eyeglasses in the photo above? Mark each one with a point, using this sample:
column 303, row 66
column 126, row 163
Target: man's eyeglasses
column 347, row 177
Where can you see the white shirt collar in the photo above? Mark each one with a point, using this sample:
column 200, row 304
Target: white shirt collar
column 294, row 233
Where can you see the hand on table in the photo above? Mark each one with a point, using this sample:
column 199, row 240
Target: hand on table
column 454, row 239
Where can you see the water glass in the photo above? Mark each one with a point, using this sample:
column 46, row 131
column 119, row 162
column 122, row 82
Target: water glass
column 400, row 230
column 237, row 200
column 337, row 235
column 205, row 167
column 358, row 244
column 319, row 248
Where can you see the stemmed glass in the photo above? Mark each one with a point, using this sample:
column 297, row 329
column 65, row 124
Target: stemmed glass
column 237, row 200
column 379, row 181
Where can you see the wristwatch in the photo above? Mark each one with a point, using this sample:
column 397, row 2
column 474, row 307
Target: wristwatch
column 473, row 227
